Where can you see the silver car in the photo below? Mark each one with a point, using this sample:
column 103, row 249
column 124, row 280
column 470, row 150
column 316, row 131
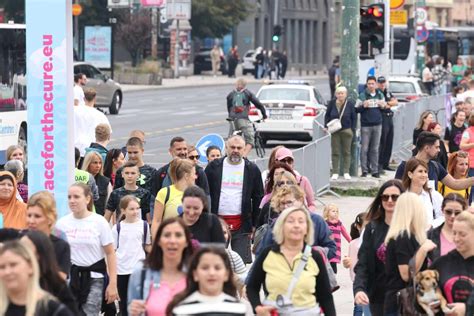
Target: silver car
column 109, row 92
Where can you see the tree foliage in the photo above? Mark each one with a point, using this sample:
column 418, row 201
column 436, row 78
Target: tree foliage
column 134, row 31
column 216, row 18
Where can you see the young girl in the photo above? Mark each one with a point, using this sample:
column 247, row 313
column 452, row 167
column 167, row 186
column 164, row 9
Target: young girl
column 131, row 240
column 210, row 289
column 331, row 216
column 350, row 260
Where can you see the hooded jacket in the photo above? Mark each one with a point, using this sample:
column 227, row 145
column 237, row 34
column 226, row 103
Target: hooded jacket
column 13, row 210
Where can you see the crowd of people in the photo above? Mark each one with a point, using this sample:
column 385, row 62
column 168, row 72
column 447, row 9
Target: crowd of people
column 231, row 239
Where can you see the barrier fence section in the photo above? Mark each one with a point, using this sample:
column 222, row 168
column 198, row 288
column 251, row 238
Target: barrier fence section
column 314, row 160
column 406, row 117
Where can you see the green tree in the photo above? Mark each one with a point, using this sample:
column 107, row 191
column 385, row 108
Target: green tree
column 216, row 18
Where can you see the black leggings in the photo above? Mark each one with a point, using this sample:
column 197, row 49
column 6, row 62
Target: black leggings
column 122, row 287
column 334, row 267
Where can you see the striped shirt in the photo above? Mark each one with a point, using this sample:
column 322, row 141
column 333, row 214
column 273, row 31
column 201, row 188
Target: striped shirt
column 199, row 304
column 337, row 229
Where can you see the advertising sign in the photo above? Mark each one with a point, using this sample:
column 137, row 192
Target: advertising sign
column 178, row 9
column 50, row 100
column 153, row 3
column 98, row 46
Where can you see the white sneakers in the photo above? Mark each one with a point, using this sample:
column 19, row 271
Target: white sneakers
column 335, row 176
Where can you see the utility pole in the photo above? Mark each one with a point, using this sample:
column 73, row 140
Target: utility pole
column 154, row 33
column 350, row 47
column 276, row 4
column 176, row 51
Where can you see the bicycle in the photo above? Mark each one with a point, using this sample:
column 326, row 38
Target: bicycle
column 258, row 139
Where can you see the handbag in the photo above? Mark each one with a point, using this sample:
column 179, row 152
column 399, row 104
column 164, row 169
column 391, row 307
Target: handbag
column 407, row 297
column 283, row 302
column 331, row 275
column 335, row 125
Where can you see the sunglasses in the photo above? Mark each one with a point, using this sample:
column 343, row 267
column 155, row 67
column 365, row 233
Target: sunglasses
column 386, row 197
column 282, row 183
column 194, row 157
column 450, row 213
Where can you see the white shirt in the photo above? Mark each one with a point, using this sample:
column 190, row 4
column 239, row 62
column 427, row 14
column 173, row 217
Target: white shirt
column 86, row 118
column 130, row 247
column 86, row 237
column 79, row 94
column 230, row 202
column 463, row 96
column 433, row 203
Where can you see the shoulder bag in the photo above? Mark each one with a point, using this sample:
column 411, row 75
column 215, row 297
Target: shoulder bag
column 407, row 297
column 335, row 125
column 283, row 303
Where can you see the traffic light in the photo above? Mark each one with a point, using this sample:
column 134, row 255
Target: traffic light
column 276, row 33
column 372, row 21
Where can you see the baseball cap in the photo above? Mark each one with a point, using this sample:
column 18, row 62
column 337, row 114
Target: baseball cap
column 283, row 153
column 381, row 79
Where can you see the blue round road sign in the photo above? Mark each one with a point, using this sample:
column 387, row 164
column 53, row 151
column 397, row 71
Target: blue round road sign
column 205, row 142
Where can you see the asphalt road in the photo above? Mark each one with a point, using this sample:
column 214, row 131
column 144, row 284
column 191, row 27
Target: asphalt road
column 189, row 112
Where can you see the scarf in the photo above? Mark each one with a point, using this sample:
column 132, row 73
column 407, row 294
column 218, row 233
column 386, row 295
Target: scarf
column 13, row 210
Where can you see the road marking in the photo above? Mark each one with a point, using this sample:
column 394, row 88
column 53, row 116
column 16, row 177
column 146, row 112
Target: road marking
column 220, row 113
column 121, row 116
column 184, row 113
column 182, row 128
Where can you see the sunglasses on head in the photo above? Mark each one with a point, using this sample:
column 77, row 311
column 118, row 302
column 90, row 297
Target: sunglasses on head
column 194, row 157
column 282, row 183
column 450, row 212
column 386, row 197
column 287, row 160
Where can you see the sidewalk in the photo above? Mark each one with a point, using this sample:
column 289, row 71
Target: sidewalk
column 349, row 207
column 209, row 80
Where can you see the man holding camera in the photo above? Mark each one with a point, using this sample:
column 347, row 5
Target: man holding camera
column 370, row 105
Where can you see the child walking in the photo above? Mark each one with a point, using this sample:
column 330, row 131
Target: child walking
column 131, row 239
column 331, row 216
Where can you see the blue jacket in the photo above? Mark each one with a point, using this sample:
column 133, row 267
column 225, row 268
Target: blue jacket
column 322, row 237
column 349, row 117
column 139, row 283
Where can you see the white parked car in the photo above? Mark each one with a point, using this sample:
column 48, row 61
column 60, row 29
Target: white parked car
column 248, row 65
column 406, row 88
column 291, row 109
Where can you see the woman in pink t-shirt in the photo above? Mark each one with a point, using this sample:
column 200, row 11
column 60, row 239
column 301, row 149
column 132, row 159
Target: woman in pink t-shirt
column 442, row 236
column 153, row 286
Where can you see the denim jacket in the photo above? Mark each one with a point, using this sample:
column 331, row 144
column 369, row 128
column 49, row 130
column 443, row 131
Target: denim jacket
column 135, row 289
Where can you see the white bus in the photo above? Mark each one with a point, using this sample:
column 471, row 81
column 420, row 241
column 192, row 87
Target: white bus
column 404, row 56
column 13, row 104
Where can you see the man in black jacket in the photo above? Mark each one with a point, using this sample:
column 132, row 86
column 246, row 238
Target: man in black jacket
column 161, row 178
column 236, row 191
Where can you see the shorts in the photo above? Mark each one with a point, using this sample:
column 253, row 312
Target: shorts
column 247, row 130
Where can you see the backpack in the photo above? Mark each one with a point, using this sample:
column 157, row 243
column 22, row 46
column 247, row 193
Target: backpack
column 261, row 232
column 238, row 101
column 145, row 232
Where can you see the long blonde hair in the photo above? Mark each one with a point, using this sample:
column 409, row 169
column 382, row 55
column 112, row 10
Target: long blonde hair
column 34, row 293
column 88, row 160
column 409, row 217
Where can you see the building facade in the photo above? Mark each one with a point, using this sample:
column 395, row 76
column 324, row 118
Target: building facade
column 307, row 31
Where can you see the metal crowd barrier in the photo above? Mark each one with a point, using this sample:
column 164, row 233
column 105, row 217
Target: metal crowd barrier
column 406, row 117
column 313, row 160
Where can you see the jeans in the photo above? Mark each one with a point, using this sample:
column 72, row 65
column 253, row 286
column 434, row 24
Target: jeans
column 369, row 154
column 241, row 244
column 94, row 299
column 341, row 142
column 358, row 311
column 386, row 141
